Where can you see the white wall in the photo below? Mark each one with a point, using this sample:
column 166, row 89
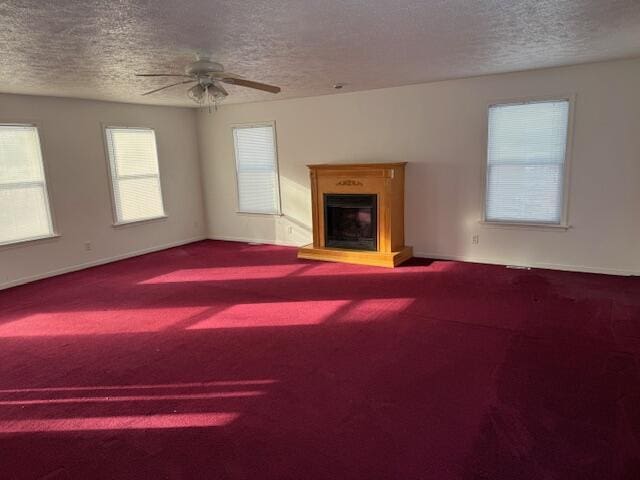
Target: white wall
column 440, row 129
column 74, row 154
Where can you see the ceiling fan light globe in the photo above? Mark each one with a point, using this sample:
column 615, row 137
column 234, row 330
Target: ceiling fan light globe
column 197, row 93
column 216, row 92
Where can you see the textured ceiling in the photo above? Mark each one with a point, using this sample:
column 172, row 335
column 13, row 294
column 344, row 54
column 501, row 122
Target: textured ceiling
column 91, row 48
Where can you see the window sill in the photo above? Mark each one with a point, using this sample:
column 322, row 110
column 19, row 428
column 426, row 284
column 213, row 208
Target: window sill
column 29, row 241
column 525, row 225
column 259, row 214
column 138, row 222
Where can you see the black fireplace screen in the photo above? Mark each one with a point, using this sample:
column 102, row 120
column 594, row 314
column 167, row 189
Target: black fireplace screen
column 350, row 221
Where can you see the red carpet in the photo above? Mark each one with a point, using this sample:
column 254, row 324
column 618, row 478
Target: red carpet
column 226, row 361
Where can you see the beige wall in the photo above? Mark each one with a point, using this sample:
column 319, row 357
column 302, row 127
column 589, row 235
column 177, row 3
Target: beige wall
column 440, row 129
column 74, row 154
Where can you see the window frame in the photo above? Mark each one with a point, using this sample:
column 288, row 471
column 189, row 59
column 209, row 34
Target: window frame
column 117, row 222
column 566, row 181
column 272, row 124
column 45, row 184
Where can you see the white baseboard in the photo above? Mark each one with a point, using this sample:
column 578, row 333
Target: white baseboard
column 435, row 256
column 269, row 241
column 547, row 266
column 95, row 263
column 458, row 258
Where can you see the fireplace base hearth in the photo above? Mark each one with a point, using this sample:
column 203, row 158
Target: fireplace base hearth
column 358, row 214
column 360, row 257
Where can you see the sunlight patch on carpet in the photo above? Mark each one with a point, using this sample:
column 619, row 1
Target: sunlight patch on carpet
column 131, row 422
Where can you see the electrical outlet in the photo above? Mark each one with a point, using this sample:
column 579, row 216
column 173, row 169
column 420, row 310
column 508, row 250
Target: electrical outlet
column 475, row 240
column 87, row 246
column 289, row 229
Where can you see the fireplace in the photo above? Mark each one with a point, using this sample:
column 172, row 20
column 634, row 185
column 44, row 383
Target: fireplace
column 351, row 221
column 357, row 212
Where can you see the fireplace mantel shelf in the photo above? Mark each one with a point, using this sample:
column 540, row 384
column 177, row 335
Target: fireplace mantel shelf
column 348, row 166
column 385, row 181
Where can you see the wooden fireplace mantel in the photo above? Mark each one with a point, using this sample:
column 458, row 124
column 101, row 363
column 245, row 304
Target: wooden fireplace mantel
column 386, row 181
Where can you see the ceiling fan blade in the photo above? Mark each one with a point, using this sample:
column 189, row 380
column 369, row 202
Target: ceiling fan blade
column 167, row 86
column 161, row 75
column 248, row 83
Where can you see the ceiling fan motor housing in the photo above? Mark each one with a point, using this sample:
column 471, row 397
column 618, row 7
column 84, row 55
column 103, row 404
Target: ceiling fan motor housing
column 203, row 67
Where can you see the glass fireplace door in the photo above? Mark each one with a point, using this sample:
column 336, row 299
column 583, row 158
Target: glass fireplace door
column 350, row 221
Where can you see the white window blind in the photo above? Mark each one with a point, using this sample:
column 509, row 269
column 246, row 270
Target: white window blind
column 134, row 174
column 24, row 205
column 257, row 169
column 526, row 162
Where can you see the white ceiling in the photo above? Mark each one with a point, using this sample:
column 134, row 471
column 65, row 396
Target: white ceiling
column 91, row 48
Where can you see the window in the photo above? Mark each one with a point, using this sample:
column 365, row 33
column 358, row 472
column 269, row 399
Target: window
column 135, row 176
column 526, row 162
column 24, row 204
column 257, row 169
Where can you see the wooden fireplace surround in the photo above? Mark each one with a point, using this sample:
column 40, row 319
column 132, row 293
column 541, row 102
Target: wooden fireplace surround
column 386, row 180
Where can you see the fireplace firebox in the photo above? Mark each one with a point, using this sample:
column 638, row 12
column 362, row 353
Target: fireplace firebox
column 350, row 221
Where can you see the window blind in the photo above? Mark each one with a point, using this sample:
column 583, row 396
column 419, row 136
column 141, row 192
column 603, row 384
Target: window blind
column 526, row 162
column 257, row 169
column 134, row 174
column 24, row 205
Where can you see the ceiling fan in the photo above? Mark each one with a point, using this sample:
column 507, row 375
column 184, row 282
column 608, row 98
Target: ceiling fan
column 208, row 77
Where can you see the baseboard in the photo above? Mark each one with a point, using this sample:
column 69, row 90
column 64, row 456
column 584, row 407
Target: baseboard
column 458, row 258
column 95, row 263
column 269, row 241
column 542, row 265
column 435, row 256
